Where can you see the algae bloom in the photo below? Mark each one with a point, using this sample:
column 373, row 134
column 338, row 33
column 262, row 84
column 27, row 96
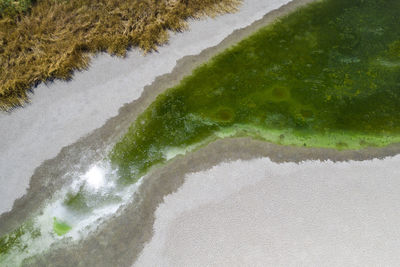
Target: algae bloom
column 327, row 75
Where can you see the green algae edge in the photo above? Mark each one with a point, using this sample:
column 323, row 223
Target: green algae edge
column 327, row 75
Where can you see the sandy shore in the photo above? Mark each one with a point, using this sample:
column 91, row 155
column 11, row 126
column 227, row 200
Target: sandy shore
column 260, row 213
column 63, row 112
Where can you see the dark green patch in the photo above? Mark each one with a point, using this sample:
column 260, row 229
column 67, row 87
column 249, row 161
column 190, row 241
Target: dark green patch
column 77, row 201
column 306, row 113
column 12, row 8
column 222, row 114
column 225, row 114
column 85, row 201
column 341, row 145
column 280, row 93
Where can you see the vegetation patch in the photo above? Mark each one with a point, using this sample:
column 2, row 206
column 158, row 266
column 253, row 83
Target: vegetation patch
column 10, row 8
column 50, row 39
column 15, row 240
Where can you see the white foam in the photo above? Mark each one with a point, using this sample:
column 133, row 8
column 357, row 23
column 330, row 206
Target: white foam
column 94, row 177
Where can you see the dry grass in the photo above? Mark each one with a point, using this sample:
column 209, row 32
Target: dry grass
column 57, row 36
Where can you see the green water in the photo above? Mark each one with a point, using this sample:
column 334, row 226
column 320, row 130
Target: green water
column 327, row 75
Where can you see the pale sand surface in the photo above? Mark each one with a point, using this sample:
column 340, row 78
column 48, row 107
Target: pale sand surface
column 63, row 112
column 261, row 213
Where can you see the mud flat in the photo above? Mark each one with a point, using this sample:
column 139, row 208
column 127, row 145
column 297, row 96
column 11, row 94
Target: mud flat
column 61, row 113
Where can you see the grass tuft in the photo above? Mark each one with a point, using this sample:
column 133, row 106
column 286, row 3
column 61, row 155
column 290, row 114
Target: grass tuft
column 10, row 8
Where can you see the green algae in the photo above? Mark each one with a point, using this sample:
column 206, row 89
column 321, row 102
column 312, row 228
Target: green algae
column 60, row 228
column 327, row 75
column 84, row 202
column 16, row 240
column 77, row 202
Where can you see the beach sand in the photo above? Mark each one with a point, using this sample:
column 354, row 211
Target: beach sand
column 261, row 213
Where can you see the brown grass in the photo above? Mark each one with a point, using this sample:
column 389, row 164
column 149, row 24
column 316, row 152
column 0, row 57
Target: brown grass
column 57, row 36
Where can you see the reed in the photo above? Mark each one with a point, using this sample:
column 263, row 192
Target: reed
column 55, row 38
